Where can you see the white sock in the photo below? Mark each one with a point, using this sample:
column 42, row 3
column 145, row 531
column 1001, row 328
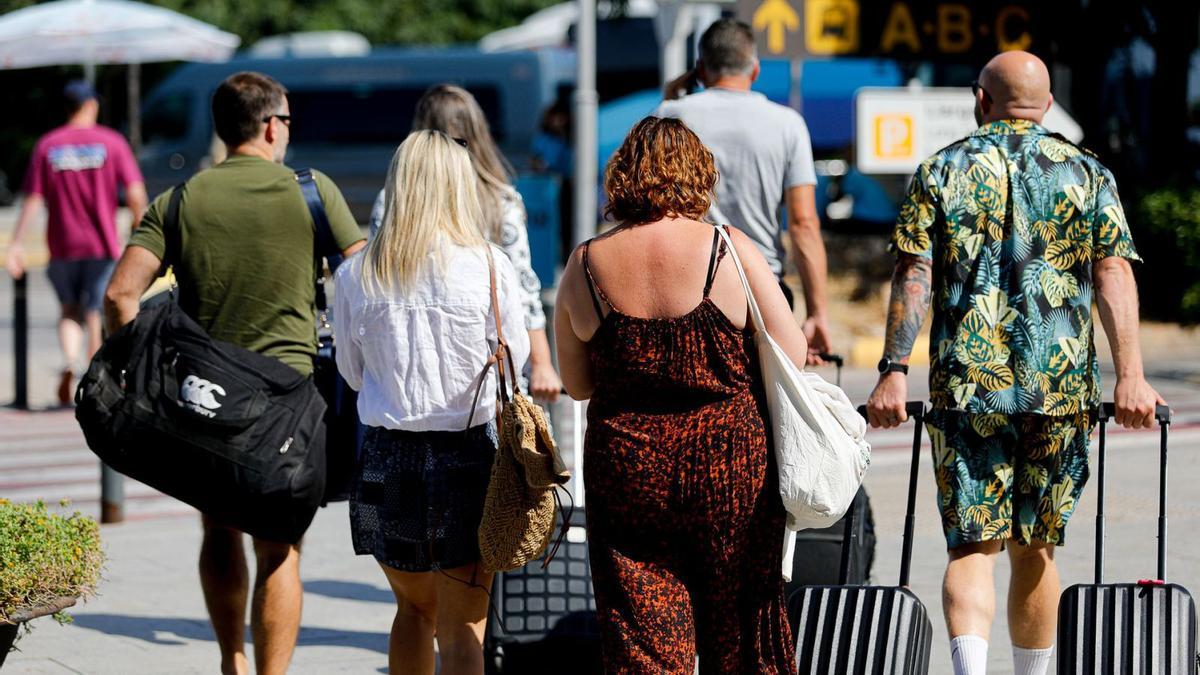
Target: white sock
column 968, row 653
column 1031, row 661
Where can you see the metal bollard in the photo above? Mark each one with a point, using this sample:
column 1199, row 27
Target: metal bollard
column 21, row 342
column 112, row 495
column 112, row 491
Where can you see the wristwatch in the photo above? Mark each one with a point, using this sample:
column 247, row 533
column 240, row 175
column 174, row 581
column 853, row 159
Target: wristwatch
column 887, row 365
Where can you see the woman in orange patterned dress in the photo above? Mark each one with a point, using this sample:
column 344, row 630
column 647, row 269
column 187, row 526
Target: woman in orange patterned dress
column 684, row 517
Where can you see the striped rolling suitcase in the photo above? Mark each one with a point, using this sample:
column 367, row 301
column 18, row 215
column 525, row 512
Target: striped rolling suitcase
column 545, row 619
column 1143, row 628
column 866, row 630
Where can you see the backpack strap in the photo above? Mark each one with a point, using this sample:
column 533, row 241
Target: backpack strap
column 172, row 237
column 324, row 245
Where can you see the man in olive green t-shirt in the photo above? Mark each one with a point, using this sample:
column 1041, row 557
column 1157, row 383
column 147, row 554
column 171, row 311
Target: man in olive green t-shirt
column 245, row 274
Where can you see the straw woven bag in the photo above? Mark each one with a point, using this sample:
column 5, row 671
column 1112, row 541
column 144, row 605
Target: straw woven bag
column 521, row 505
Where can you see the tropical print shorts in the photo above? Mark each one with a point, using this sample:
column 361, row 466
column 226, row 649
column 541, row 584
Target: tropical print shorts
column 1002, row 477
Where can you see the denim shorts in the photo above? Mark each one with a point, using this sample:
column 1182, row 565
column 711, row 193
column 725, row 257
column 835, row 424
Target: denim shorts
column 81, row 282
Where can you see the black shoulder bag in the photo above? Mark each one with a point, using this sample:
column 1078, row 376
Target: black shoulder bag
column 343, row 435
column 236, row 434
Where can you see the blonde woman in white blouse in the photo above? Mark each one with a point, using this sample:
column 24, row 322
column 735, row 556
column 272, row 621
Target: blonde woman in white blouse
column 454, row 110
column 414, row 333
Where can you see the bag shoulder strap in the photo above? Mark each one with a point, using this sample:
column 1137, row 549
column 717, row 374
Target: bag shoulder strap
column 755, row 314
column 502, row 351
column 324, row 245
column 501, row 356
column 172, row 236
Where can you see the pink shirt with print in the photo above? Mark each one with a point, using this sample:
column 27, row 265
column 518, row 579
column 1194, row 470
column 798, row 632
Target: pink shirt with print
column 77, row 170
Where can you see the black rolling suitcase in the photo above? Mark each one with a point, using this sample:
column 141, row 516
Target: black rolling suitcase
column 545, row 619
column 866, row 630
column 1143, row 628
column 818, row 552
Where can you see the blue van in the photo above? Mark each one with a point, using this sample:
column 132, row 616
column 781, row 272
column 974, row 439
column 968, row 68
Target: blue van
column 350, row 113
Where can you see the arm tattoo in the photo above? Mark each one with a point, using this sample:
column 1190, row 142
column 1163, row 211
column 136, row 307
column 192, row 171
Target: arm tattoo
column 911, row 297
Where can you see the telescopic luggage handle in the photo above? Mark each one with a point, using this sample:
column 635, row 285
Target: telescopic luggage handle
column 916, row 413
column 837, row 360
column 1162, row 413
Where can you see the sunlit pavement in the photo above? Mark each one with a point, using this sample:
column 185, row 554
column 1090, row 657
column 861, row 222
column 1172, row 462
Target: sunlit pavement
column 149, row 616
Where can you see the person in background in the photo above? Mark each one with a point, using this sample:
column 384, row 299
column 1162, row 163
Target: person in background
column 455, row 111
column 683, row 510
column 415, row 331
column 553, row 153
column 764, row 159
column 76, row 171
column 1006, row 233
column 245, row 274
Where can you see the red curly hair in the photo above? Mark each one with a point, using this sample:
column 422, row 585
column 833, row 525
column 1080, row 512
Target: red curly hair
column 662, row 170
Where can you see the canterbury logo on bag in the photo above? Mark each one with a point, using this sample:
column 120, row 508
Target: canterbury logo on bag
column 199, row 395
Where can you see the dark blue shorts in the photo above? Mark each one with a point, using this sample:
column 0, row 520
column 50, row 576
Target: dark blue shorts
column 418, row 497
column 81, row 282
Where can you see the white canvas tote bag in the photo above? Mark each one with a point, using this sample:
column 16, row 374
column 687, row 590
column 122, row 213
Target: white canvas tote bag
column 820, row 440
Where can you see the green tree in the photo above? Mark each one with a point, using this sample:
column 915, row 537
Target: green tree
column 33, row 105
column 395, row 22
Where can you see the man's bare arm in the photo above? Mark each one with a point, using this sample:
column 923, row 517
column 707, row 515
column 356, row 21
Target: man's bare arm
column 912, row 295
column 1117, row 300
column 31, row 207
column 135, row 271
column 804, row 229
column 137, row 201
column 912, row 284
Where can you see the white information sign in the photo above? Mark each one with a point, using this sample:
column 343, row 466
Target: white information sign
column 897, row 128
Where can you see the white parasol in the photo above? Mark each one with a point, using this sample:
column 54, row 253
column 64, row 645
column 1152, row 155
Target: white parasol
column 91, row 32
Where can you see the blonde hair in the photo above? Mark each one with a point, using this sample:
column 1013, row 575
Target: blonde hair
column 455, row 111
column 430, row 198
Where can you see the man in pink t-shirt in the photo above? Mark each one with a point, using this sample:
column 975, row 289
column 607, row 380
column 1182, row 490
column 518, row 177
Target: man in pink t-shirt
column 76, row 171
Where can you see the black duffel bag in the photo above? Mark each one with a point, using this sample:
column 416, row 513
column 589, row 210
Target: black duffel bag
column 236, row 434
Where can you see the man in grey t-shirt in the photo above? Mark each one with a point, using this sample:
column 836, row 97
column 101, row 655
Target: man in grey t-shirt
column 764, row 157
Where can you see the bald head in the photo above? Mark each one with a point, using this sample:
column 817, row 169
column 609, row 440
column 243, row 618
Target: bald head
column 1013, row 85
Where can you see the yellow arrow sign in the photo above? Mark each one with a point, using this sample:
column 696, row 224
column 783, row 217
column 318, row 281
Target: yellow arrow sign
column 778, row 18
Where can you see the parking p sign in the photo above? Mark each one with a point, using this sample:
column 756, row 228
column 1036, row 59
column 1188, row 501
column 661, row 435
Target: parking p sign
column 894, row 136
column 897, row 128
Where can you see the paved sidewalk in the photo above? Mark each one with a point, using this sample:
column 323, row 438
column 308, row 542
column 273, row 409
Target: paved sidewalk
column 149, row 617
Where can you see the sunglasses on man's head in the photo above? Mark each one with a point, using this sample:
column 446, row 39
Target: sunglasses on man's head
column 976, row 88
column 286, row 119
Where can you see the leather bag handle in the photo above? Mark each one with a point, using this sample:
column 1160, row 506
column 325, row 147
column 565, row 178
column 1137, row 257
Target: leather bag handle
column 500, row 356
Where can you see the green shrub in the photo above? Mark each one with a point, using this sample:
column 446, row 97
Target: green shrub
column 1171, row 217
column 44, row 556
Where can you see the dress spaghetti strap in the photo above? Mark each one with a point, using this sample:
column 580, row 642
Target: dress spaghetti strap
column 714, row 261
column 593, row 287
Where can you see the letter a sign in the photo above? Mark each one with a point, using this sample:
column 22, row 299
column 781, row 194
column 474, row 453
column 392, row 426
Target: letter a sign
column 794, row 28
